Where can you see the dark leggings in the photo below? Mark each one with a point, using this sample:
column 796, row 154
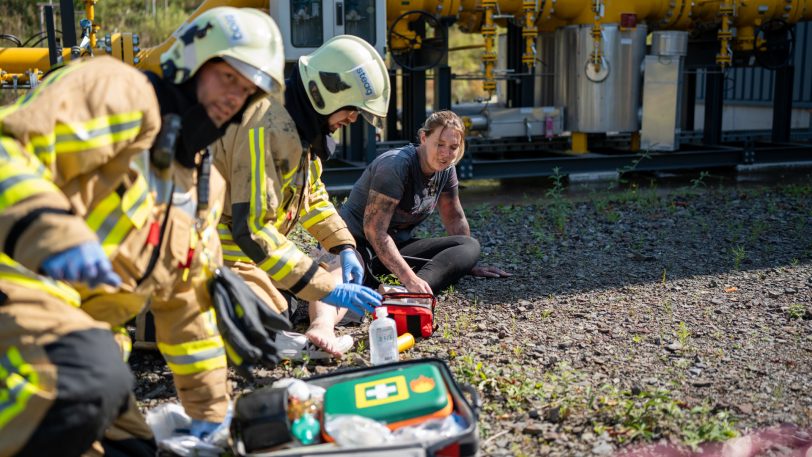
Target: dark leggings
column 438, row 261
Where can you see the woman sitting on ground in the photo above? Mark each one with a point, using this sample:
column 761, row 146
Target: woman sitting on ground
column 397, row 192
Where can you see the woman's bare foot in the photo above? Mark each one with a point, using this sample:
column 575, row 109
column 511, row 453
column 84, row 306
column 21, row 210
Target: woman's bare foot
column 322, row 334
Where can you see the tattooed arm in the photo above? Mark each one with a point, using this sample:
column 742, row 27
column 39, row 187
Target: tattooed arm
column 455, row 223
column 377, row 216
column 451, row 213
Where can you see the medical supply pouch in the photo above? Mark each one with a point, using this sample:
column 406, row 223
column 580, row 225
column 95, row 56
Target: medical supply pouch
column 446, row 399
column 413, row 312
column 397, row 397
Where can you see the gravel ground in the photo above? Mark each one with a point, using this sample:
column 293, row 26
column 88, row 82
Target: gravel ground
column 637, row 313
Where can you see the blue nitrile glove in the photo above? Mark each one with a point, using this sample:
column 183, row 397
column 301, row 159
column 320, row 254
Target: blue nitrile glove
column 354, row 297
column 351, row 269
column 84, row 263
column 201, row 428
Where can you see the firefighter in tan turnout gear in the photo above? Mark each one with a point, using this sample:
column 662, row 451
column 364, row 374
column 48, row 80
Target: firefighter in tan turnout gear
column 272, row 164
column 83, row 179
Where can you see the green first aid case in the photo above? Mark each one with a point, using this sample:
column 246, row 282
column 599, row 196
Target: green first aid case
column 464, row 403
column 400, row 396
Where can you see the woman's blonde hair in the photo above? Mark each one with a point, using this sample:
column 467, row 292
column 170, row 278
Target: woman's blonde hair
column 445, row 120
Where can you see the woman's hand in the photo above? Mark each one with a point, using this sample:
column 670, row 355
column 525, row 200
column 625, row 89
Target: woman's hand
column 417, row 285
column 485, row 271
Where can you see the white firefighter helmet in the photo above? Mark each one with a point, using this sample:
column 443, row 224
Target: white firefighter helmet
column 347, row 71
column 245, row 38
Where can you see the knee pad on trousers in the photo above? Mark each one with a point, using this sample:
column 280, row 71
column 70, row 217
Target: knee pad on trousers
column 93, row 387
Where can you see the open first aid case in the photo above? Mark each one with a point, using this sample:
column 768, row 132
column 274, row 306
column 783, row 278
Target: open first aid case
column 397, row 394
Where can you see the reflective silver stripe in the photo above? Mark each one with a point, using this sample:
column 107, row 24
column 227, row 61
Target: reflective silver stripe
column 137, row 205
column 7, row 183
column 280, row 262
column 109, row 224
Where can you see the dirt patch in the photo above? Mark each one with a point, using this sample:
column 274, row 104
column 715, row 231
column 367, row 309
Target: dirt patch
column 635, row 315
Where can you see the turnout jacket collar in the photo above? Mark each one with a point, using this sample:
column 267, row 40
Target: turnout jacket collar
column 197, row 129
column 311, row 126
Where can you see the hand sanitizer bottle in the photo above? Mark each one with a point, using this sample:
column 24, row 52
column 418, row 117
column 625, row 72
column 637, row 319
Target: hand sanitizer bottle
column 383, row 338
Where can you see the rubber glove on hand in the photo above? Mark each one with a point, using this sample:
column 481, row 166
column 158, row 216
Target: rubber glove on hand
column 84, row 263
column 351, row 269
column 354, row 297
column 201, row 428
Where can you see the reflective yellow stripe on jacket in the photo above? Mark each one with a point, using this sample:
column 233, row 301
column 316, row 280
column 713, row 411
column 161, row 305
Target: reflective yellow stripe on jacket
column 231, row 251
column 284, row 255
column 322, row 209
column 13, row 272
column 20, row 382
column 114, row 217
column 11, row 150
column 17, row 185
column 195, row 356
column 82, row 136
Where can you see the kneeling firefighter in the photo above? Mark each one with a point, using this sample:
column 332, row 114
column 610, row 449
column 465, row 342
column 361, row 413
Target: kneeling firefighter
column 79, row 185
column 272, row 165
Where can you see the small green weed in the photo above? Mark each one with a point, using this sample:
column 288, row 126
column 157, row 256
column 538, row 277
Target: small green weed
column 796, row 311
column 683, row 334
column 559, row 208
column 739, row 254
column 389, row 279
column 699, row 181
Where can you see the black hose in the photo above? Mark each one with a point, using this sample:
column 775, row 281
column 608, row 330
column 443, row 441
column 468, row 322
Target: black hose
column 12, row 38
column 27, row 43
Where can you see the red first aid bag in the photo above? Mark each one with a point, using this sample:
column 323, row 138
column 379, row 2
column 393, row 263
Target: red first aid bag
column 412, row 312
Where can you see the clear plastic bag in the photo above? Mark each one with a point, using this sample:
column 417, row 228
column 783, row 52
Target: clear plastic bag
column 349, row 430
column 170, row 424
column 431, row 430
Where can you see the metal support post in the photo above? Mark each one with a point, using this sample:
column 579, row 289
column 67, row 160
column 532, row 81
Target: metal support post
column 520, row 88
column 414, row 103
column 782, row 104
column 54, row 50
column 68, row 24
column 689, row 102
column 392, row 132
column 714, row 106
column 442, row 87
column 355, row 149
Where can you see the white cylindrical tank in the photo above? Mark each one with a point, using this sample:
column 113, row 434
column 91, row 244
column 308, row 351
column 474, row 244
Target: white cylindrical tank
column 603, row 102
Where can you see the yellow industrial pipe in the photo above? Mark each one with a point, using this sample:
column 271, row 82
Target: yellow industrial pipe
column 90, row 13
column 480, row 16
column 529, row 33
column 597, row 32
column 725, row 58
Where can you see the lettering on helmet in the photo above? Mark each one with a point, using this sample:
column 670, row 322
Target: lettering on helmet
column 233, row 28
column 362, row 76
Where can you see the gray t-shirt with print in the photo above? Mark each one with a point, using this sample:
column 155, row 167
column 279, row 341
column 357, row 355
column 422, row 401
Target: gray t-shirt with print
column 397, row 174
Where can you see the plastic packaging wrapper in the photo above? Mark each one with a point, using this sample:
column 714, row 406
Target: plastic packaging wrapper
column 301, row 390
column 351, row 431
column 171, row 425
column 431, row 430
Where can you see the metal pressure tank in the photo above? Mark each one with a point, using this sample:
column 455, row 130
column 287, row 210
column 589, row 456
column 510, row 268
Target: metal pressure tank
column 607, row 100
